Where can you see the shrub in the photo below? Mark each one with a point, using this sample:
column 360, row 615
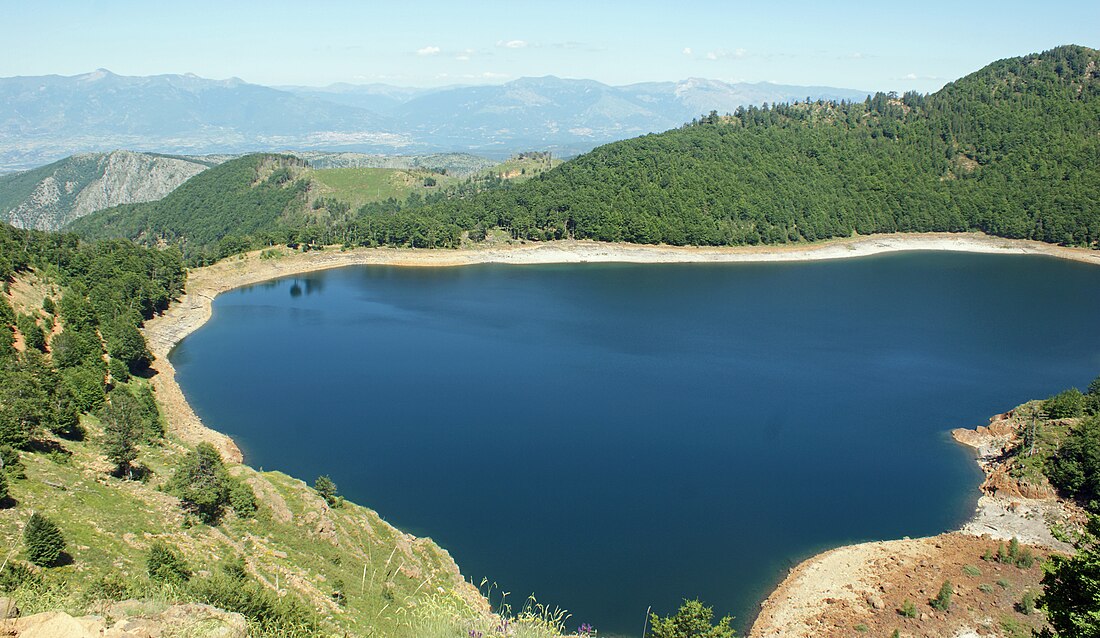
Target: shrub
column 1027, row 603
column 266, row 612
column 33, row 336
column 16, row 574
column 971, row 570
column 166, row 564
column 120, row 373
column 326, row 489
column 5, row 493
column 235, row 568
column 942, row 601
column 12, row 463
column 1075, row 469
column 200, row 481
column 908, row 609
column 986, row 588
column 44, row 541
column 242, row 499
column 1066, row 404
column 693, row 620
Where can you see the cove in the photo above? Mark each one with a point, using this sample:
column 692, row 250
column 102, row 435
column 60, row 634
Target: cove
column 612, row 437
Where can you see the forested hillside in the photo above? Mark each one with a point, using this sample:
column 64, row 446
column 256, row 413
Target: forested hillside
column 1012, row 150
column 101, row 501
column 242, row 197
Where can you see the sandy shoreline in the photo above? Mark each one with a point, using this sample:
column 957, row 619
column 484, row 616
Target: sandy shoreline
column 193, row 309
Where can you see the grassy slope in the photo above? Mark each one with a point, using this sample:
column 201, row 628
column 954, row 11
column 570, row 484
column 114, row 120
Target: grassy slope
column 295, row 541
column 358, row 186
column 395, row 584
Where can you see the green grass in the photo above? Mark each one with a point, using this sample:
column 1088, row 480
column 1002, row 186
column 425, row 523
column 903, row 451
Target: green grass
column 358, row 186
column 109, row 525
column 520, row 168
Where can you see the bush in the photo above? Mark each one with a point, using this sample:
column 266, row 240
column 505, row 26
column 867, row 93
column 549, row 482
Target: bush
column 1027, row 603
column 44, row 541
column 942, row 601
column 242, row 499
column 971, row 570
column 266, row 612
column 166, row 565
column 693, row 620
column 33, row 336
column 908, row 609
column 120, row 373
column 1066, row 404
column 12, row 463
column 16, row 574
column 326, row 489
column 201, row 483
column 1075, row 468
column 5, row 492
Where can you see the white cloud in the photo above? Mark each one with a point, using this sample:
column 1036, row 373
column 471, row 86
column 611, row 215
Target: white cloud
column 687, row 51
column 428, row 50
column 910, row 76
column 512, row 44
column 724, row 54
column 490, row 75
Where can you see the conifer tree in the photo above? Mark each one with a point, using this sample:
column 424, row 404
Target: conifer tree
column 43, row 540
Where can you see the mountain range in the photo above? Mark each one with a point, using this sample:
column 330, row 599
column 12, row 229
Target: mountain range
column 45, row 118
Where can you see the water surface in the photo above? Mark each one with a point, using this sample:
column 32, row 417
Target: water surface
column 617, row 436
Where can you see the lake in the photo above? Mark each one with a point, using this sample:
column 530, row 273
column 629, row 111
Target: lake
column 612, row 437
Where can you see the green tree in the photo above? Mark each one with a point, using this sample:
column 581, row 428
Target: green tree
column 326, row 489
column 201, row 482
column 122, row 429
column 942, row 601
column 1075, row 469
column 33, row 336
column 125, row 343
column 693, row 620
column 44, row 541
column 1071, row 588
column 166, row 564
column 5, row 491
column 1066, row 404
column 242, row 499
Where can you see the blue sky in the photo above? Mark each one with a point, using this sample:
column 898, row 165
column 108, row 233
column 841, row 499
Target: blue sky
column 871, row 46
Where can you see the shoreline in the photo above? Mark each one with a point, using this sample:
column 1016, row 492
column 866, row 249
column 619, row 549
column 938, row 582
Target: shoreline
column 851, row 581
column 194, row 308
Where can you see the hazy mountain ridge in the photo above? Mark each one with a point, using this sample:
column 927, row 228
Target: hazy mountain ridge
column 44, row 118
column 49, row 197
column 1007, row 150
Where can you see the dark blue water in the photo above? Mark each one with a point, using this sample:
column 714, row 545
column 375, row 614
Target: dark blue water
column 611, row 437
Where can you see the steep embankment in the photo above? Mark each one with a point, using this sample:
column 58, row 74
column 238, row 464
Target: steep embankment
column 872, row 585
column 50, row 197
column 83, row 445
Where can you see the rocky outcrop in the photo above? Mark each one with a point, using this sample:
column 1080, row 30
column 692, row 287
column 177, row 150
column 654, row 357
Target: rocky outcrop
column 176, row 620
column 82, row 184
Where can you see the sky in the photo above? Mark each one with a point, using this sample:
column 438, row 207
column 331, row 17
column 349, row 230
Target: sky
column 861, row 45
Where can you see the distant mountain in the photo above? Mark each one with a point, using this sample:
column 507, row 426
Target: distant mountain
column 379, row 98
column 44, row 118
column 49, row 197
column 459, row 164
column 568, row 115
